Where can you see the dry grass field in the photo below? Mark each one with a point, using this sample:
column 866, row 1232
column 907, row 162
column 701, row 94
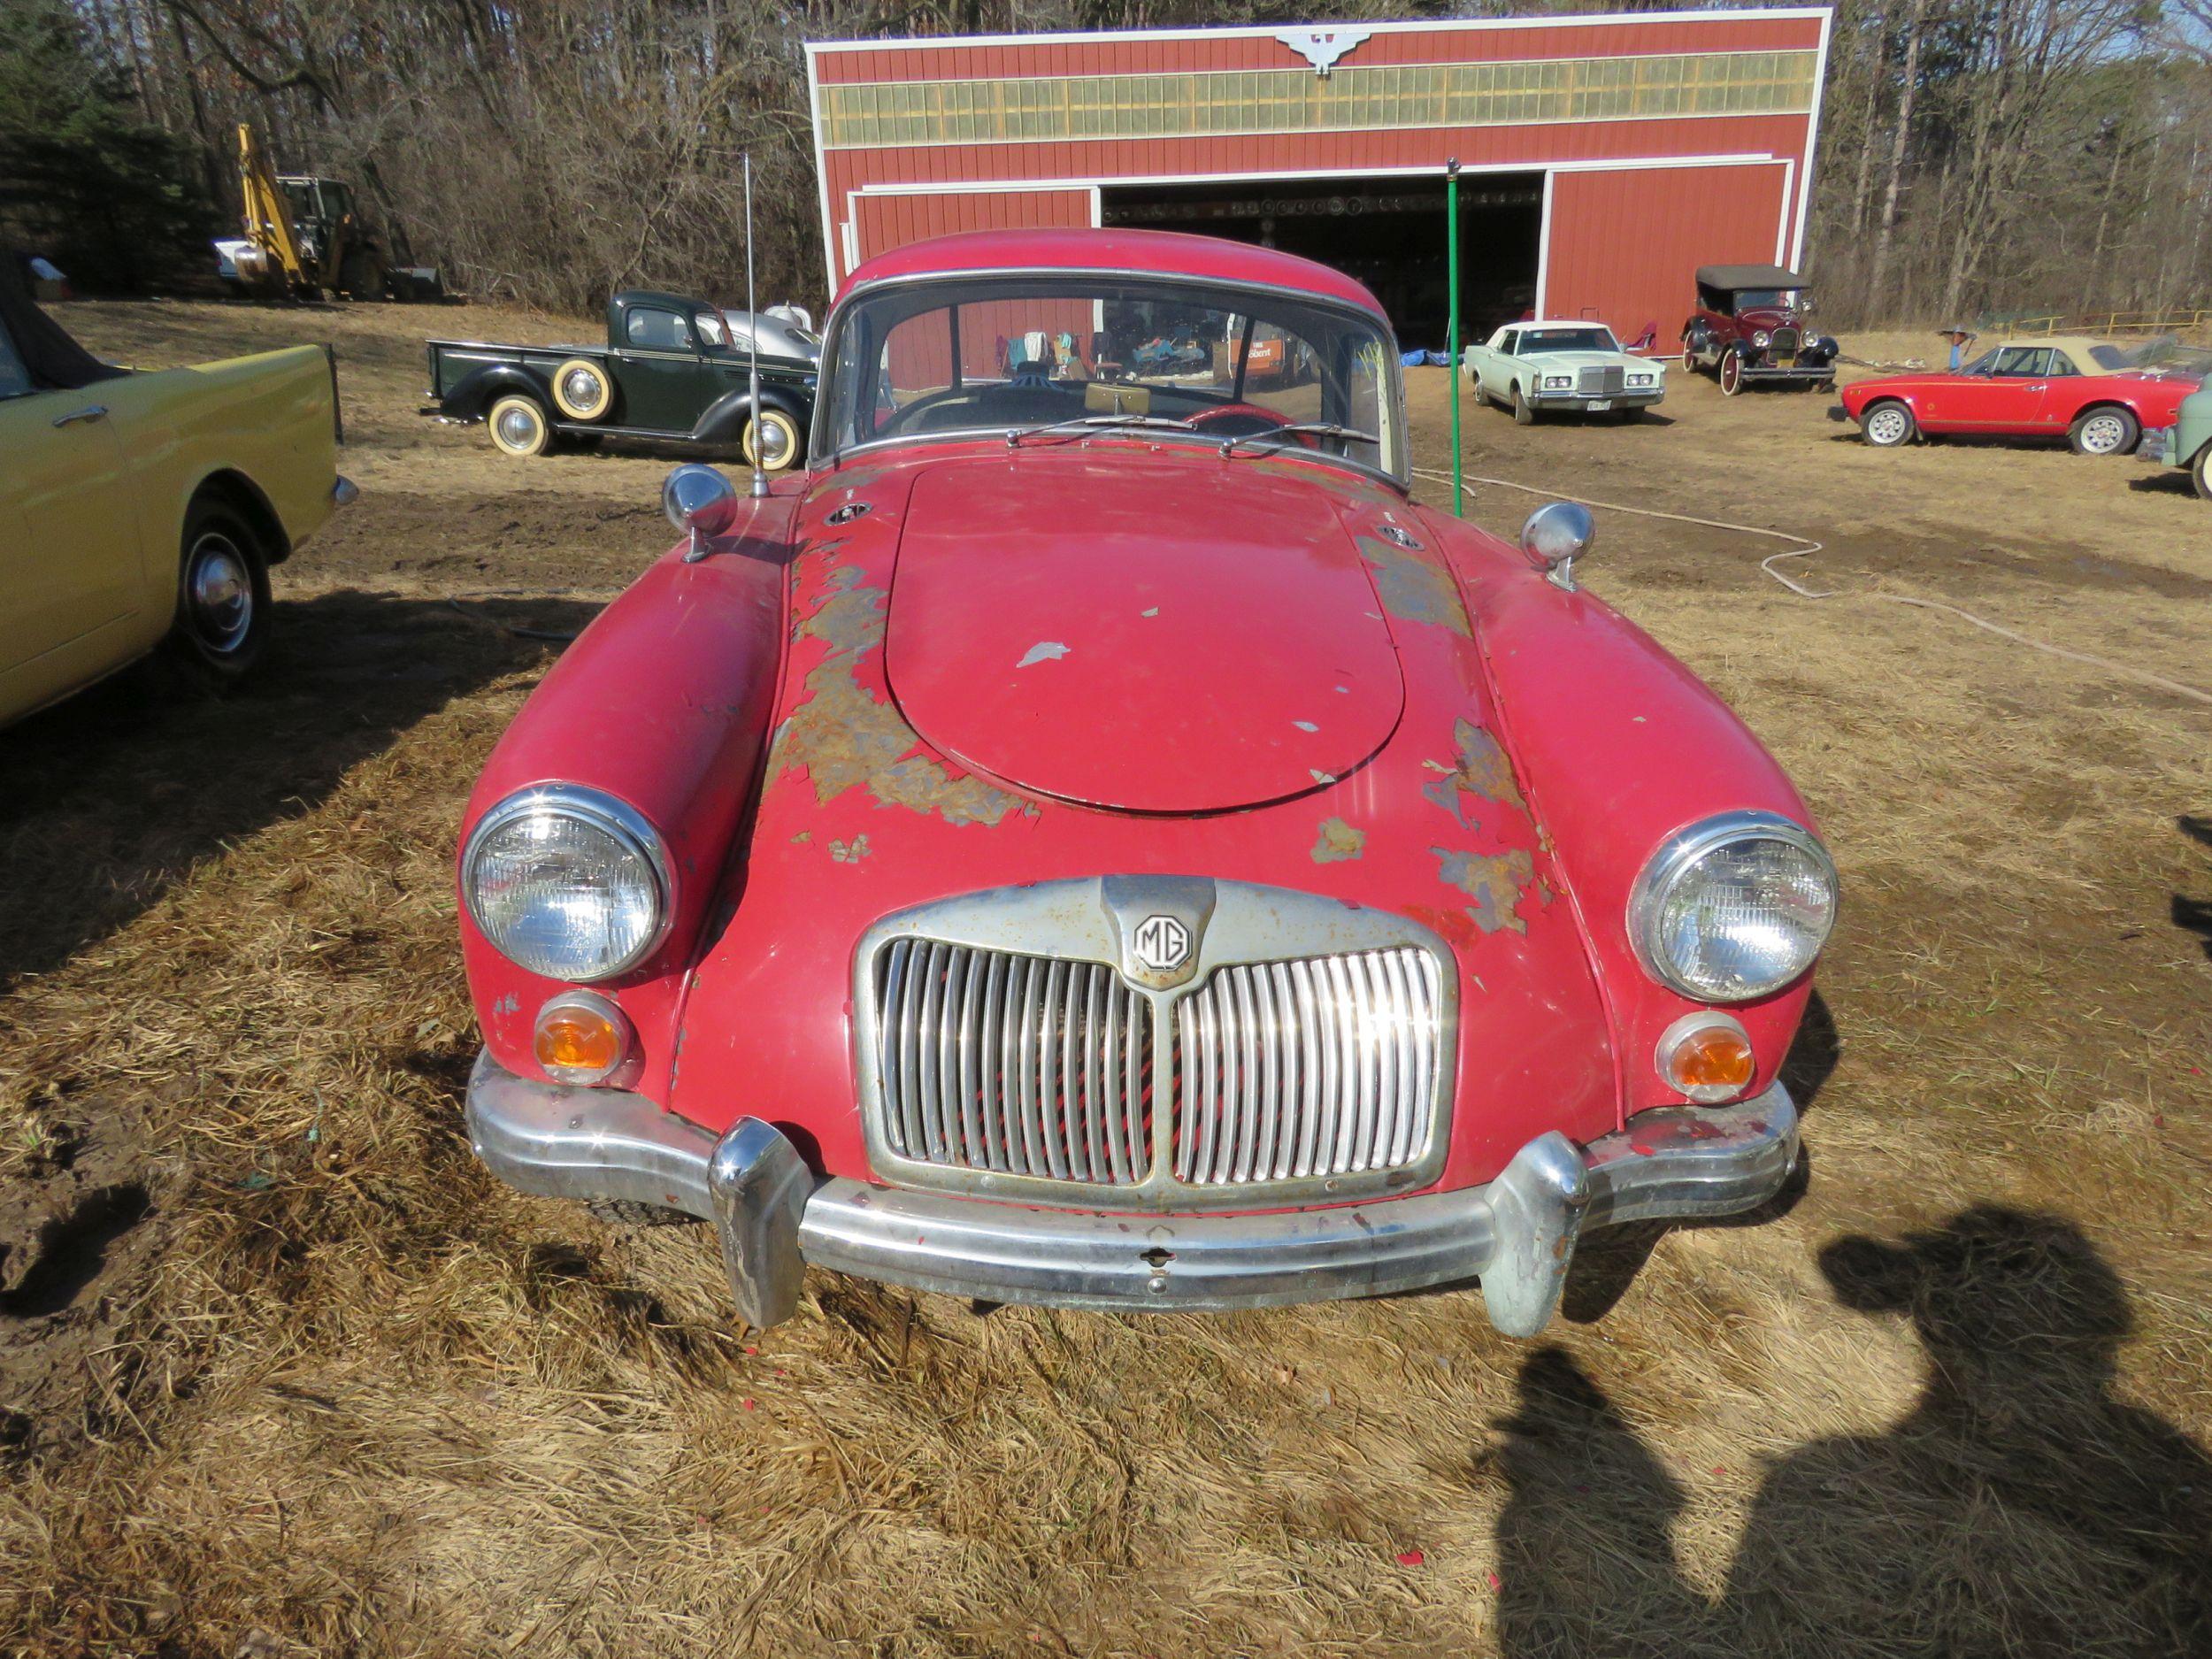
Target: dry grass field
column 283, row 1372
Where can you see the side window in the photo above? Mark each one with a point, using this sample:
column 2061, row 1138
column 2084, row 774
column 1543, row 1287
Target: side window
column 1509, row 343
column 711, row 330
column 15, row 379
column 2062, row 364
column 2018, row 363
column 658, row 331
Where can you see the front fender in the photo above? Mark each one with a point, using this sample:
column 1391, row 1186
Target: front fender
column 724, row 421
column 1619, row 745
column 664, row 703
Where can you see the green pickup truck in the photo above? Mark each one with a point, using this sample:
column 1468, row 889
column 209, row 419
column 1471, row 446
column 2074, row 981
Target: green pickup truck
column 673, row 369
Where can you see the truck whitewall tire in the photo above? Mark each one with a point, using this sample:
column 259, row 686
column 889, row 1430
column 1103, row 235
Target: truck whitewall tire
column 780, row 440
column 519, row 425
column 583, row 389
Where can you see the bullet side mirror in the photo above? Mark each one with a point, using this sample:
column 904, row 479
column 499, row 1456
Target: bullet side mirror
column 1556, row 534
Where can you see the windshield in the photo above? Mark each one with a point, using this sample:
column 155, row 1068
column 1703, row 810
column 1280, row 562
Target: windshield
column 1534, row 340
column 1001, row 353
column 1765, row 299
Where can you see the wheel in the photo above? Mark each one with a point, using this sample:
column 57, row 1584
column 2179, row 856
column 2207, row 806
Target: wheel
column 2105, row 430
column 1888, row 424
column 582, row 388
column 1523, row 415
column 2198, row 476
column 519, row 425
column 628, row 1212
column 1689, row 353
column 780, row 440
column 1474, row 388
column 1730, row 373
column 222, row 618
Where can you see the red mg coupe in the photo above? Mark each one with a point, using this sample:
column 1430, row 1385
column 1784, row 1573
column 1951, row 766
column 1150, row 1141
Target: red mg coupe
column 2088, row 392
column 1092, row 839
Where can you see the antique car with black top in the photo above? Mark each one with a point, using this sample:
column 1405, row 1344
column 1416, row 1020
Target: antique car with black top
column 1750, row 328
column 1103, row 843
column 673, row 369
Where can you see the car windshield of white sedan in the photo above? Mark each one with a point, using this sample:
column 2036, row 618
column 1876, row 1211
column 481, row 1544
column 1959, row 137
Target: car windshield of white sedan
column 1536, row 340
column 1021, row 354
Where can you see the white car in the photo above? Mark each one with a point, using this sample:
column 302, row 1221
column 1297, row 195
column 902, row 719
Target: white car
column 1537, row 367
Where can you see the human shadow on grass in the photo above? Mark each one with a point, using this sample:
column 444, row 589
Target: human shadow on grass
column 2019, row 1507
column 109, row 797
column 2196, row 915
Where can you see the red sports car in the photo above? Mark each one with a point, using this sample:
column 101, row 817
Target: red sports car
column 2088, row 392
column 1102, row 843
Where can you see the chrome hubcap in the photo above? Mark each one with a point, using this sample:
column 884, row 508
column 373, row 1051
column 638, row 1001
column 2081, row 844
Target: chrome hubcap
column 518, row 427
column 583, row 389
column 771, row 443
column 218, row 588
column 2102, row 435
column 1887, row 427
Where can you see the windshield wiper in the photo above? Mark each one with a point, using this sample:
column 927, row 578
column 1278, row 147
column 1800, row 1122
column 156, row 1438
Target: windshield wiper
column 1084, row 423
column 1318, row 429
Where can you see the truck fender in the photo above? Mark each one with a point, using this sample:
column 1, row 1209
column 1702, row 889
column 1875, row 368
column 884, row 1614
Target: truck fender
column 724, row 421
column 475, row 394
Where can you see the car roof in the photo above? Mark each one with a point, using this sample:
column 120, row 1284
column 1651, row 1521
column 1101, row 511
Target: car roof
column 2075, row 346
column 1162, row 252
column 1559, row 322
column 1732, row 277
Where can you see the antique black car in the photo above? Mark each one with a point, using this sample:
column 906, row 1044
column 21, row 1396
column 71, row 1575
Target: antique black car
column 673, row 369
column 1750, row 325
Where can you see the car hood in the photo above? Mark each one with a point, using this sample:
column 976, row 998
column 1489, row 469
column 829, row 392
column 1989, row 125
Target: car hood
column 1129, row 631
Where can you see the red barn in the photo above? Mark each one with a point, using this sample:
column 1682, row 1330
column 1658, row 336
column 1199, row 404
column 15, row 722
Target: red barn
column 1602, row 159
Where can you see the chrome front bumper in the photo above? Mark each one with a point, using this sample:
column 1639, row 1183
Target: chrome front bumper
column 1516, row 1235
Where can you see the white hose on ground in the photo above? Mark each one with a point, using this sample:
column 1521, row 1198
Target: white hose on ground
column 1805, row 548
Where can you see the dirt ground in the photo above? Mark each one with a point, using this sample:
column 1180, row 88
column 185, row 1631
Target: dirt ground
column 282, row 1371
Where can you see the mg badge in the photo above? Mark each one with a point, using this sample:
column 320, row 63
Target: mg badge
column 1163, row 943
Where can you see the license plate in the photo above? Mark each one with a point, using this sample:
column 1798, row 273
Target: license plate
column 1597, row 403
column 1787, row 360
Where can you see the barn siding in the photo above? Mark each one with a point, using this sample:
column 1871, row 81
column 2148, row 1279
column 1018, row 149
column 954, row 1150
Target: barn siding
column 1623, row 244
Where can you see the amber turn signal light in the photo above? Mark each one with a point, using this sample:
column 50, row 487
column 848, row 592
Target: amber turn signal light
column 582, row 1038
column 1707, row 1056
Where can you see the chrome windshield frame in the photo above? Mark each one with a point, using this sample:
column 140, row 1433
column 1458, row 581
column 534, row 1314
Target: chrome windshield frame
column 819, row 442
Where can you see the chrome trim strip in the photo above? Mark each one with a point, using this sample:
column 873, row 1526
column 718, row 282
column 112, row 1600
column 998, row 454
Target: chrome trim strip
column 1518, row 1234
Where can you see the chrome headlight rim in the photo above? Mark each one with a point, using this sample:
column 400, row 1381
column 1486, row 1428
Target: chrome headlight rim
column 606, row 813
column 1761, row 338
column 1677, row 854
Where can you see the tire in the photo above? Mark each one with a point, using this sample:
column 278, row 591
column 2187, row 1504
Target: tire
column 2198, row 473
column 519, row 425
column 628, row 1212
column 1524, row 413
column 783, row 443
column 582, row 389
column 222, row 616
column 1730, row 373
column 1888, row 424
column 1689, row 353
column 2106, row 429
column 1474, row 388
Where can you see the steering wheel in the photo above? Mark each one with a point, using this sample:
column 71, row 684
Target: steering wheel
column 1244, row 420
column 898, row 419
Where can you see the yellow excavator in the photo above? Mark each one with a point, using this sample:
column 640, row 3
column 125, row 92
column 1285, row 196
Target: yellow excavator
column 304, row 235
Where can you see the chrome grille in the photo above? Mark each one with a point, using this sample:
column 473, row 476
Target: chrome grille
column 1030, row 1065
column 1786, row 342
column 1322, row 1065
column 1599, row 380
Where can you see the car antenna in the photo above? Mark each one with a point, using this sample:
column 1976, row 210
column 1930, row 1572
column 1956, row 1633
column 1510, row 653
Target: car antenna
column 752, row 335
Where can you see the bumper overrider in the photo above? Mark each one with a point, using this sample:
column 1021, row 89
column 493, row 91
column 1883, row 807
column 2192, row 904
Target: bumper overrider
column 774, row 1216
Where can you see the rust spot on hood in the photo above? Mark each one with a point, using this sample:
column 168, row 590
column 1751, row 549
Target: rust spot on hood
column 1339, row 841
column 1495, row 882
column 1481, row 769
column 1413, row 587
column 843, row 738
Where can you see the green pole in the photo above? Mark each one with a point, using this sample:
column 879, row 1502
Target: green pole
column 1451, row 347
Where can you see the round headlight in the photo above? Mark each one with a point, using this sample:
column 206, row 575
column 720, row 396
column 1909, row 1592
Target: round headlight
column 1759, row 337
column 1733, row 908
column 566, row 882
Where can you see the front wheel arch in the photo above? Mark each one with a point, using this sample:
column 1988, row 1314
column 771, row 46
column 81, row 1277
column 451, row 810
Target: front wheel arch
column 2086, row 422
